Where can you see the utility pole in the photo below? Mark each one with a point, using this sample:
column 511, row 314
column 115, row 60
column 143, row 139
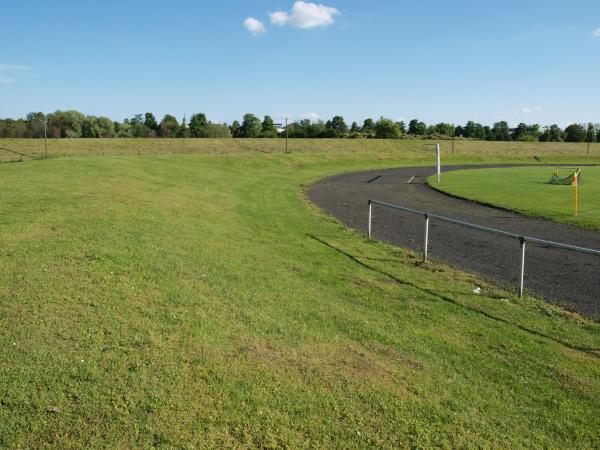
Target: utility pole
column 45, row 139
column 286, row 135
column 453, row 133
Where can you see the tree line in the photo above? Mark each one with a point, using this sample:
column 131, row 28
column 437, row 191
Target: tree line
column 73, row 124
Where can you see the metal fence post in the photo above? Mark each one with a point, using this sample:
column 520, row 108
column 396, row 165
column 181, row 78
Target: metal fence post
column 370, row 217
column 426, row 238
column 522, row 279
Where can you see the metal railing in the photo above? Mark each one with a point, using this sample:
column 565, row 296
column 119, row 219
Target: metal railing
column 521, row 238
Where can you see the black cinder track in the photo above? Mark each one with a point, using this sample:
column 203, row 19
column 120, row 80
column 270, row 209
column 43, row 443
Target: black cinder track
column 561, row 277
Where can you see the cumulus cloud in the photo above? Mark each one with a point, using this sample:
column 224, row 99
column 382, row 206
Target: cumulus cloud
column 596, row 33
column 526, row 110
column 254, row 26
column 305, row 15
column 7, row 70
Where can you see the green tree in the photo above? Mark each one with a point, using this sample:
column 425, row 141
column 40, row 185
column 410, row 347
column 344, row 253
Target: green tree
column 168, row 127
column 553, row 133
column 198, row 125
column 251, row 126
column 368, row 127
column 386, row 129
column 268, row 128
column 445, row 129
column 520, row 133
column 402, row 127
column 105, row 127
column 591, row 133
column 89, row 127
column 473, row 130
column 417, row 128
column 235, row 129
column 501, row 132
column 150, row 121
column 575, row 133
column 35, row 124
column 337, row 126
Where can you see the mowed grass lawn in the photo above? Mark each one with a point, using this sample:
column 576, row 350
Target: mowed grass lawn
column 526, row 190
column 202, row 301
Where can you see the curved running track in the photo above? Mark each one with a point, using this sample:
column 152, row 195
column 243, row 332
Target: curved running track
column 562, row 277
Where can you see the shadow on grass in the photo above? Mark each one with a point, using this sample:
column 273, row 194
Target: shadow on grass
column 593, row 352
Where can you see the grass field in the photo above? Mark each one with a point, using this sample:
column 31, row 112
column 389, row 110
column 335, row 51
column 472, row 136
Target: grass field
column 398, row 148
column 190, row 301
column 526, row 190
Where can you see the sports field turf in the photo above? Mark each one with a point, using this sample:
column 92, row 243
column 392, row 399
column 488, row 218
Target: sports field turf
column 526, row 190
column 201, row 301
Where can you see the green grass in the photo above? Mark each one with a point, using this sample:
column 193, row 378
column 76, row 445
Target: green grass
column 526, row 190
column 409, row 148
column 199, row 301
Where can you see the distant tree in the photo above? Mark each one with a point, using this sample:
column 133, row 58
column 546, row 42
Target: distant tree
column 553, row 133
column 251, row 126
column 35, row 124
column 473, row 130
column 150, row 121
column 183, row 131
column 235, row 129
column 445, row 129
column 459, row 131
column 368, row 128
column 575, row 133
column 402, row 127
column 105, row 127
column 386, row 129
column 268, row 128
column 520, row 133
column 337, row 127
column 198, row 125
column 591, row 133
column 89, row 127
column 65, row 124
column 354, row 128
column 215, row 130
column 501, row 132
column 417, row 128
column 169, row 127
column 488, row 135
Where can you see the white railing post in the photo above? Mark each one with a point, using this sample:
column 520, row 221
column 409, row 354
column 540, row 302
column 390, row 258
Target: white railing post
column 522, row 279
column 370, row 217
column 439, row 163
column 426, row 238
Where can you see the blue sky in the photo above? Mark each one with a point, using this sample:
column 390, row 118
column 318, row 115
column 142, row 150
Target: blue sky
column 531, row 61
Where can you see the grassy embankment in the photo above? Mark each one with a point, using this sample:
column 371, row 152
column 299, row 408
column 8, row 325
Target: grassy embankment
column 407, row 148
column 192, row 300
column 526, row 190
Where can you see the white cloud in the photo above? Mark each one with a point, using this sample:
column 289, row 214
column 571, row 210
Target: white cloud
column 526, row 110
column 539, row 108
column 305, row 15
column 8, row 68
column 312, row 116
column 254, row 26
column 596, row 33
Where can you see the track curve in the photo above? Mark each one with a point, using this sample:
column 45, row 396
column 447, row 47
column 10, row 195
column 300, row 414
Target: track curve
column 561, row 277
